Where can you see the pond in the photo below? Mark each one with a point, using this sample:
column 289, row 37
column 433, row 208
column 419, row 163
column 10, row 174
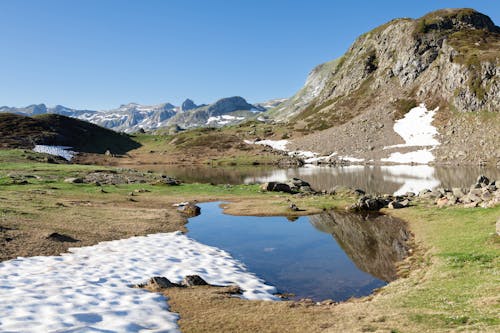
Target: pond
column 334, row 255
column 396, row 179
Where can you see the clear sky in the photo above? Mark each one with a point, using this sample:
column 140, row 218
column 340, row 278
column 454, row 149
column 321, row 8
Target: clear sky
column 97, row 54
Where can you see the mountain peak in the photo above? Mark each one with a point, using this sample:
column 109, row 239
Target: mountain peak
column 455, row 19
column 188, row 104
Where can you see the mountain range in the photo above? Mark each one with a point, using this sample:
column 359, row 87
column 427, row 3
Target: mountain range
column 133, row 117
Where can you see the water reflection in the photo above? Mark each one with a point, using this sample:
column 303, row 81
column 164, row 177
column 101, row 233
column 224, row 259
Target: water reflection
column 374, row 179
column 302, row 257
column 373, row 242
column 397, row 179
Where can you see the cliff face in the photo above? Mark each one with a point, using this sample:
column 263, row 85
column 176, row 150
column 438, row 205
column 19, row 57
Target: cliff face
column 447, row 59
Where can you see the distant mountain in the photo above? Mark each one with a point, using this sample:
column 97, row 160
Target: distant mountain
column 223, row 112
column 133, row 117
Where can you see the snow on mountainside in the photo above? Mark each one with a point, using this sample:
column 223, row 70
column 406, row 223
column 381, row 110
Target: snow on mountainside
column 365, row 104
column 133, row 117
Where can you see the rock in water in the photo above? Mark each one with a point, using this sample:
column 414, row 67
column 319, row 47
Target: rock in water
column 189, row 209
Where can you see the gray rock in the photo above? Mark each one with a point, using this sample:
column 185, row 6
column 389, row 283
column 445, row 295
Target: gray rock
column 395, row 205
column 482, row 180
column 74, row 180
column 189, row 209
column 458, row 192
column 193, row 280
column 276, row 187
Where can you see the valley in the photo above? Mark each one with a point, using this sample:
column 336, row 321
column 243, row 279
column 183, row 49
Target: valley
column 369, row 201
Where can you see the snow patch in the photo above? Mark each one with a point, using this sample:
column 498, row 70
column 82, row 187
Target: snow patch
column 61, row 151
column 308, row 156
column 222, row 120
column 422, row 156
column 275, row 144
column 416, row 128
column 89, row 288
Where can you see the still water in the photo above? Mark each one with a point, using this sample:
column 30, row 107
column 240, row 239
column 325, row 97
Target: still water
column 334, row 255
column 396, row 179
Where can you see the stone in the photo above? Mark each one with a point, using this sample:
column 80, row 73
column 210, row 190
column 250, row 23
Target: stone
column 276, row 187
column 424, row 192
column 157, row 283
column 189, row 209
column 458, row 192
column 482, row 180
column 441, row 202
column 395, row 205
column 193, row 280
column 471, row 205
column 74, row 180
column 161, row 282
column 359, row 191
column 61, row 238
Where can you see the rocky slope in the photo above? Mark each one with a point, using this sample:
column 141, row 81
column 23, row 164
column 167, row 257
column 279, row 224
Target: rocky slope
column 133, row 117
column 446, row 59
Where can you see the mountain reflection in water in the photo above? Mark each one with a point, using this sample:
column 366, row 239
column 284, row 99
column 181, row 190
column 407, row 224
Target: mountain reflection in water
column 302, row 257
column 373, row 242
column 396, row 179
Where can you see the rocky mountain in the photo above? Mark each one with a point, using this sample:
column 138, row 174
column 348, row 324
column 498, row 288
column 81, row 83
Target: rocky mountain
column 223, row 112
column 133, row 117
column 447, row 60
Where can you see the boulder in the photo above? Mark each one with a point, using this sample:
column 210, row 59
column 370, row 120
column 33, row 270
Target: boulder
column 395, row 205
column 482, row 181
column 189, row 209
column 193, row 280
column 458, row 192
column 276, row 187
column 160, row 282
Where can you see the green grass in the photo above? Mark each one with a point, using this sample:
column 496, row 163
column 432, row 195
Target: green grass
column 465, row 269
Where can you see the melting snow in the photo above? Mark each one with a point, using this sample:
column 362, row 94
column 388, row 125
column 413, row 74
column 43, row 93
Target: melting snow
column 56, row 151
column 422, row 156
column 89, row 289
column 416, row 128
column 308, row 156
column 223, row 120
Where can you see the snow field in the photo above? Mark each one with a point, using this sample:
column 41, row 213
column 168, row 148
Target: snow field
column 56, row 151
column 89, row 289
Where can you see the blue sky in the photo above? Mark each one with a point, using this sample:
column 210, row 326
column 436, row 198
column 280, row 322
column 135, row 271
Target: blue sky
column 98, row 54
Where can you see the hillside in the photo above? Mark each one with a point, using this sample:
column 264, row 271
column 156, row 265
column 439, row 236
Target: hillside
column 447, row 60
column 17, row 131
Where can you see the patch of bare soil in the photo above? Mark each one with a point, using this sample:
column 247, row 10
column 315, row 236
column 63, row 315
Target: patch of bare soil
column 34, row 225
